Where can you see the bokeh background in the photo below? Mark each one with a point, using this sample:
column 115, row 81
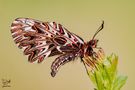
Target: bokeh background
column 82, row 17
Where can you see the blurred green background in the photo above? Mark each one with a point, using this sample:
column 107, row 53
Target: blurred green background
column 82, row 17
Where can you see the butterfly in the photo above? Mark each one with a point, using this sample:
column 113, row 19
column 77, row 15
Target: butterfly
column 40, row 40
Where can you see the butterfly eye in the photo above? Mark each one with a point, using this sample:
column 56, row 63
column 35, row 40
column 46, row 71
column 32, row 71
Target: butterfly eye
column 92, row 42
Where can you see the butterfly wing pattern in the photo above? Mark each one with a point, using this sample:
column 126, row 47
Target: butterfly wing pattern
column 40, row 40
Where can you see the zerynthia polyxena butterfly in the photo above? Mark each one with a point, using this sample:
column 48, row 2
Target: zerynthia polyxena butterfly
column 40, row 40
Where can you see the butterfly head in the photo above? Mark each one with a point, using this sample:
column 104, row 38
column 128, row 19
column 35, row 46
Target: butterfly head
column 93, row 43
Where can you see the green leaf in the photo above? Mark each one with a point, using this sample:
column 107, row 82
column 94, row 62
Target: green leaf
column 92, row 77
column 105, row 76
column 99, row 80
column 119, row 82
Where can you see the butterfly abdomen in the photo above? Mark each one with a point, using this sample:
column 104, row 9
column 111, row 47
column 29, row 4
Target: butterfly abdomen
column 61, row 60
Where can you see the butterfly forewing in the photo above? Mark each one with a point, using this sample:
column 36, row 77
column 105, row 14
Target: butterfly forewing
column 40, row 40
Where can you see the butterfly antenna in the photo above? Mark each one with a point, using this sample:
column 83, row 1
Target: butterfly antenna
column 99, row 29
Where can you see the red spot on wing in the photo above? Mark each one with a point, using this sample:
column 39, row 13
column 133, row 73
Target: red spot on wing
column 46, row 25
column 61, row 29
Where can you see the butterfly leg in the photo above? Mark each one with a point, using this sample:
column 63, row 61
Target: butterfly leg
column 85, row 66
